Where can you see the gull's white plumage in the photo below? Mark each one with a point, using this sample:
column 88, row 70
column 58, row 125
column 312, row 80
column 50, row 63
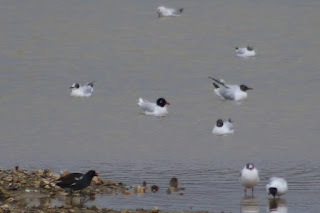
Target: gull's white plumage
column 81, row 91
column 245, row 51
column 277, row 186
column 163, row 11
column 249, row 176
column 154, row 109
column 230, row 92
column 223, row 128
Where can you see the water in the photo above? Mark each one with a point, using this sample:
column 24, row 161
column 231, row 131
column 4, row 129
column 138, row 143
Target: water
column 48, row 45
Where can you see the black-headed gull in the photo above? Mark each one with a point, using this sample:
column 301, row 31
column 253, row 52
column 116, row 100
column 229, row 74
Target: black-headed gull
column 81, row 91
column 249, row 177
column 223, row 127
column 163, row 11
column 156, row 109
column 230, row 92
column 245, row 51
column 277, row 186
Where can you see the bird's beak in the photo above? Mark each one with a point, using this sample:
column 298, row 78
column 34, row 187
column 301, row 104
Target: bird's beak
column 71, row 87
column 95, row 174
column 167, row 103
column 250, row 88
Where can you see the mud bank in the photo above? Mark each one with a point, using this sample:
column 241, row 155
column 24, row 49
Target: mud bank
column 35, row 191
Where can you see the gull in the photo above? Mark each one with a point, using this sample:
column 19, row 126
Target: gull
column 277, row 186
column 230, row 92
column 163, row 11
column 81, row 91
column 249, row 177
column 156, row 109
column 245, row 51
column 223, row 128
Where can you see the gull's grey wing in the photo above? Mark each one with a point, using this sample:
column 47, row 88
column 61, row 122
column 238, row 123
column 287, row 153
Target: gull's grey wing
column 148, row 107
column 240, row 51
column 87, row 89
column 229, row 125
column 227, row 94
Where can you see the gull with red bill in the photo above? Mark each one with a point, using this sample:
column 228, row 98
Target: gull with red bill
column 158, row 109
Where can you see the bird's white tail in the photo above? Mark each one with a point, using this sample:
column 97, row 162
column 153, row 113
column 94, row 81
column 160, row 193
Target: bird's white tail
column 140, row 101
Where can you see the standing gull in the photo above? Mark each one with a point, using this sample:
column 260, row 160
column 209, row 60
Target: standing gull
column 249, row 177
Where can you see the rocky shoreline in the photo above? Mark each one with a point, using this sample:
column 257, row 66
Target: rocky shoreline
column 19, row 188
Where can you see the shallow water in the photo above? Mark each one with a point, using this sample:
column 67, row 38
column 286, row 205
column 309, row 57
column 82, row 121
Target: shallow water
column 48, row 45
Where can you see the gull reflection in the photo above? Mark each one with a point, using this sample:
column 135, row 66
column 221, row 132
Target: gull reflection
column 277, row 205
column 249, row 204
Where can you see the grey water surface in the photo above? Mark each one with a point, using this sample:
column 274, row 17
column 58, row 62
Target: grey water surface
column 130, row 53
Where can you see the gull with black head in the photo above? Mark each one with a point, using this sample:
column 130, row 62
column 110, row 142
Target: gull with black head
column 81, row 91
column 157, row 109
column 230, row 92
column 223, row 127
column 277, row 186
column 245, row 51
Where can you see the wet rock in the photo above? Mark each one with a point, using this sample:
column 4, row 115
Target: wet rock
column 3, row 194
column 9, row 178
column 47, row 187
column 95, row 208
column 14, row 186
column 15, row 179
column 43, row 183
column 36, row 184
column 125, row 211
column 155, row 210
column 127, row 192
column 37, row 172
column 10, row 199
column 138, row 189
column 47, row 173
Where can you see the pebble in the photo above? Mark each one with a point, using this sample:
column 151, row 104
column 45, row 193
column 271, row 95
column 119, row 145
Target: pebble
column 155, row 210
column 4, row 194
column 95, row 208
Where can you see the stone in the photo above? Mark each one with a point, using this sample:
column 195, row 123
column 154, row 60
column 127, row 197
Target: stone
column 14, row 186
column 4, row 194
column 47, row 172
column 36, row 184
column 9, row 178
column 95, row 208
column 37, row 172
column 155, row 210
column 44, row 182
